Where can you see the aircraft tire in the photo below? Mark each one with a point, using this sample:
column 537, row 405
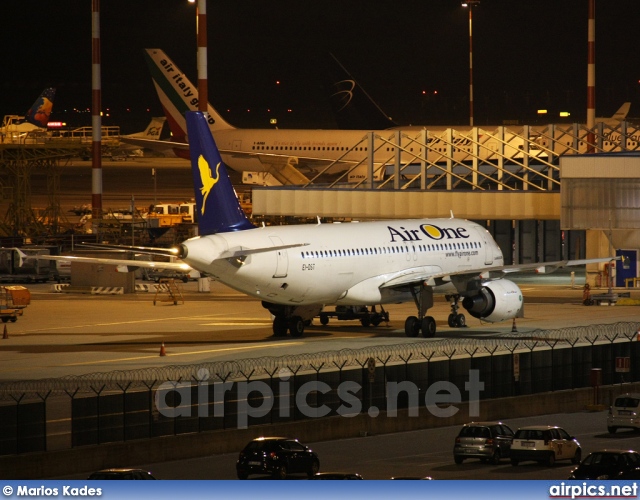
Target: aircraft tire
column 280, row 326
column 412, row 326
column 324, row 319
column 461, row 321
column 296, row 326
column 452, row 320
column 428, row 327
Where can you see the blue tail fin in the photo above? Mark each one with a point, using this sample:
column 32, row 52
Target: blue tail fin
column 218, row 207
column 40, row 111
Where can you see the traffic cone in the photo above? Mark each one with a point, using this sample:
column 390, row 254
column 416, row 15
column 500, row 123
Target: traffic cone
column 513, row 328
column 5, row 335
column 162, row 351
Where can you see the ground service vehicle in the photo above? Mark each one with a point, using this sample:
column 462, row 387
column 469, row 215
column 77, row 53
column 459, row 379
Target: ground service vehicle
column 367, row 317
column 13, row 300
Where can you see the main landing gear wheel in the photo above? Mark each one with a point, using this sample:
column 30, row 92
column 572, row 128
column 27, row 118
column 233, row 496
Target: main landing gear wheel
column 428, row 326
column 412, row 326
column 296, row 326
column 280, row 326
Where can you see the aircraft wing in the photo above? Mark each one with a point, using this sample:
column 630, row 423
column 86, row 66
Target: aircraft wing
column 124, row 265
column 285, row 168
column 433, row 273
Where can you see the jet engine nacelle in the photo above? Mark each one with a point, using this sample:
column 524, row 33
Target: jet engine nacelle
column 495, row 301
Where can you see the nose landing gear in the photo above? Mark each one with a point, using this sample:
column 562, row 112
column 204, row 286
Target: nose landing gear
column 455, row 319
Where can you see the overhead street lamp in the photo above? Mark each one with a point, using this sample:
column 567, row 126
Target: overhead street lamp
column 470, row 4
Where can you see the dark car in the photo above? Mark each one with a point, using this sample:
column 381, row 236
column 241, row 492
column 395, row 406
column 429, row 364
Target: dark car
column 607, row 464
column 630, row 474
column 121, row 474
column 483, row 440
column 336, row 475
column 278, row 456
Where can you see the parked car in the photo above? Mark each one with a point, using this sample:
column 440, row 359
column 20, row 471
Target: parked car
column 623, row 414
column 630, row 474
column 336, row 475
column 278, row 456
column 607, row 464
column 483, row 440
column 544, row 444
column 121, row 474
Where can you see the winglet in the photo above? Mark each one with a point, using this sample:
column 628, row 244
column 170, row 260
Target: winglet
column 219, row 210
column 40, row 111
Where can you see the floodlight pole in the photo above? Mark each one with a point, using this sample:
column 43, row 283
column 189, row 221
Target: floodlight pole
column 470, row 4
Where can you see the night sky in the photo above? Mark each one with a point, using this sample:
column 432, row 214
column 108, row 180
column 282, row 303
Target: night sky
column 527, row 55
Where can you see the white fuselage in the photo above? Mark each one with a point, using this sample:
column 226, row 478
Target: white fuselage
column 315, row 150
column 345, row 263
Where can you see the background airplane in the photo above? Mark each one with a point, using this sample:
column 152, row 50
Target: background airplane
column 15, row 128
column 290, row 156
column 296, row 270
column 151, row 133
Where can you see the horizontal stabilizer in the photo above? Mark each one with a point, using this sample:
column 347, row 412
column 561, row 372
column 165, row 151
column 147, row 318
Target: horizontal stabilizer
column 120, row 263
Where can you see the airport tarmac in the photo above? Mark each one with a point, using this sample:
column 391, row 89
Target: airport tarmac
column 71, row 334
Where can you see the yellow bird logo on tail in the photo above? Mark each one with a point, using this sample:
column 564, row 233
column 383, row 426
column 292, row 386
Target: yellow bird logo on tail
column 208, row 181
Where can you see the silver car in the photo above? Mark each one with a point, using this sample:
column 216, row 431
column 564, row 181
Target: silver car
column 488, row 441
column 624, row 413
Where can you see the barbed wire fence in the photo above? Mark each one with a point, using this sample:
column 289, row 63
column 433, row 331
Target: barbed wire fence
column 266, row 366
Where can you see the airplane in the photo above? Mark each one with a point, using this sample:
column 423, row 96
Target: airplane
column 617, row 117
column 297, row 270
column 15, row 128
column 152, row 133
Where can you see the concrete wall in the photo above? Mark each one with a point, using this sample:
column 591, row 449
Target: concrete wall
column 130, row 453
